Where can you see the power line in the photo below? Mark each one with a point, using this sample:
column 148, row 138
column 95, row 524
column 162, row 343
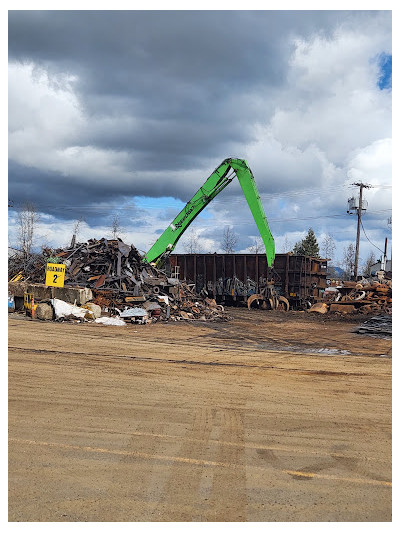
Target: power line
column 336, row 215
column 245, row 222
column 366, row 236
column 287, row 194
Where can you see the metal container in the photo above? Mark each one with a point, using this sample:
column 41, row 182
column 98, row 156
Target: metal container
column 232, row 278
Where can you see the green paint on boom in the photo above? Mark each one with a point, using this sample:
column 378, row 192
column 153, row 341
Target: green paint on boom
column 219, row 179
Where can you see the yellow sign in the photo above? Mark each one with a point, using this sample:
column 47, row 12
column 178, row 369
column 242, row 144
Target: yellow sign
column 55, row 273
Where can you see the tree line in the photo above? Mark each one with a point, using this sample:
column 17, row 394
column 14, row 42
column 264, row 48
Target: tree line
column 308, row 246
column 28, row 219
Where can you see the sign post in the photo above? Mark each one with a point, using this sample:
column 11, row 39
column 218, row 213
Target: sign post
column 55, row 274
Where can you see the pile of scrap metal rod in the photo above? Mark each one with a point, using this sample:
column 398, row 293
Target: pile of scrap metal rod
column 119, row 280
column 377, row 326
column 28, row 268
column 365, row 296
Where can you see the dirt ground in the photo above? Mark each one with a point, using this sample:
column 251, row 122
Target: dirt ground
column 267, row 417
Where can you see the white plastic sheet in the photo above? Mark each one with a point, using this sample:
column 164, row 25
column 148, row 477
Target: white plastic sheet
column 110, row 321
column 64, row 309
column 133, row 312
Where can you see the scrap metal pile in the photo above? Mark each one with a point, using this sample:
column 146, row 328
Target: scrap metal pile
column 377, row 326
column 365, row 296
column 29, row 269
column 122, row 283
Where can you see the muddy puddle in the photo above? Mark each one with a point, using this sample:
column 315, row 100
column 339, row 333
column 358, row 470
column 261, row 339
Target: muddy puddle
column 303, row 349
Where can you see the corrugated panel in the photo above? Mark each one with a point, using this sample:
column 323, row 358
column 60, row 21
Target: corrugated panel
column 296, row 275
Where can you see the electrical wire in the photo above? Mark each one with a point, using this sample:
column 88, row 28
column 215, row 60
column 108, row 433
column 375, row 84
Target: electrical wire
column 277, row 220
column 267, row 196
column 366, row 236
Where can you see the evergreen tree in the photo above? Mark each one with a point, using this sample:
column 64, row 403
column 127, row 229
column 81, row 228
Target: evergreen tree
column 308, row 246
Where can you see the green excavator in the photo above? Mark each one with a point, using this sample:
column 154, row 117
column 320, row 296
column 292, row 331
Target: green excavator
column 219, row 179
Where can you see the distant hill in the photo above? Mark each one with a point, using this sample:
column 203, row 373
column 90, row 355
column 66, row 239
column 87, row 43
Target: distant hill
column 338, row 272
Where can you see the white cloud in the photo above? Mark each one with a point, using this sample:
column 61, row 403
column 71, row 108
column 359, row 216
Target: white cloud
column 45, row 125
column 42, row 117
column 332, row 100
column 327, row 127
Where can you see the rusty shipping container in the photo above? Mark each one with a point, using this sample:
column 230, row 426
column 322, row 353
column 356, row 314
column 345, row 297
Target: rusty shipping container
column 232, row 278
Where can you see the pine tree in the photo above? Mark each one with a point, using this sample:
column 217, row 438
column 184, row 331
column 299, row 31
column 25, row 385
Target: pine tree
column 308, row 246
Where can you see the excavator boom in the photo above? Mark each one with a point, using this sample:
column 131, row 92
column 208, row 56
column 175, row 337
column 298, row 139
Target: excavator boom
column 219, row 179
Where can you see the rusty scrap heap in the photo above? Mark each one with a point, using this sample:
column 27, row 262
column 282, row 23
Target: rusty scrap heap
column 365, row 296
column 120, row 279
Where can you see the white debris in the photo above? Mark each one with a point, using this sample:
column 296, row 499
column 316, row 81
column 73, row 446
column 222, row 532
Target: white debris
column 133, row 311
column 64, row 309
column 110, row 321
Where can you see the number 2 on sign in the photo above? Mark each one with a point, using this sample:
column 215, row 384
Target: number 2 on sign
column 55, row 274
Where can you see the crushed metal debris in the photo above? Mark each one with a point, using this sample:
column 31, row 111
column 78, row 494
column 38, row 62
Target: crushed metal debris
column 378, row 326
column 365, row 296
column 121, row 281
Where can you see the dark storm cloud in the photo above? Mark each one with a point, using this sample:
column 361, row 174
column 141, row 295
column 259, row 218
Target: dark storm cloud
column 189, row 79
column 161, row 98
column 166, row 144
column 66, row 199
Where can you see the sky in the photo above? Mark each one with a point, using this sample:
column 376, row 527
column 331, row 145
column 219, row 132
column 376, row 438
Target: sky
column 126, row 113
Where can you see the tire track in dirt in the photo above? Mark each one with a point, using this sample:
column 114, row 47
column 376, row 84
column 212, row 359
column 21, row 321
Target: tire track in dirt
column 228, row 494
column 333, row 461
column 179, row 501
column 137, row 479
column 134, row 486
column 85, row 356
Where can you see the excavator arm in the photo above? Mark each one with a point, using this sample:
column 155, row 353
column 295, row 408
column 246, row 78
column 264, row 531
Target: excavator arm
column 219, row 179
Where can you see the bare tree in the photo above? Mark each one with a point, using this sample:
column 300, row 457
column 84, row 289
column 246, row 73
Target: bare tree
column 75, row 231
column 229, row 240
column 258, row 246
column 27, row 220
column 192, row 243
column 287, row 245
column 368, row 263
column 328, row 247
column 349, row 257
column 116, row 228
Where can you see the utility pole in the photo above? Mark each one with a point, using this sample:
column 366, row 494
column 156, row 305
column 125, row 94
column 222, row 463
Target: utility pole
column 384, row 257
column 358, row 208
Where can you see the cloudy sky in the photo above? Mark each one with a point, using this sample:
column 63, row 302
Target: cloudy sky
column 128, row 112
